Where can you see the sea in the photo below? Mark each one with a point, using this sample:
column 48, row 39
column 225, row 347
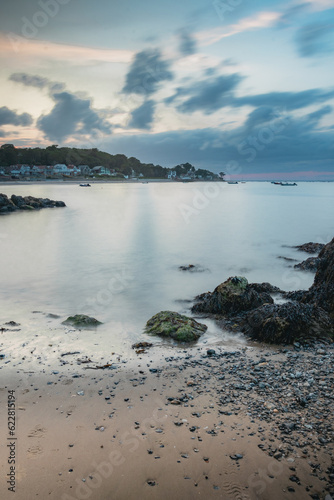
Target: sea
column 115, row 253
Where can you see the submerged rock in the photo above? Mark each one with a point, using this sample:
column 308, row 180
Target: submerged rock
column 234, row 296
column 286, row 323
column 81, row 321
column 176, row 326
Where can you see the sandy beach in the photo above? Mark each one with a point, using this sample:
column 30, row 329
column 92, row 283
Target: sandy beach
column 254, row 423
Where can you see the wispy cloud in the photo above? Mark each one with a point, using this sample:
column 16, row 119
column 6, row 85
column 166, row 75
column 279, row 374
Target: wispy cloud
column 260, row 21
column 36, row 49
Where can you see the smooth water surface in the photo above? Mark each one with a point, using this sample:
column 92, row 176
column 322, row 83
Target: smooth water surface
column 114, row 251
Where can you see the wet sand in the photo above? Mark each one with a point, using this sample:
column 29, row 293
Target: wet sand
column 254, row 423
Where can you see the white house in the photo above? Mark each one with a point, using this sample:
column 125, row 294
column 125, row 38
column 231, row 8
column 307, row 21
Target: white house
column 85, row 169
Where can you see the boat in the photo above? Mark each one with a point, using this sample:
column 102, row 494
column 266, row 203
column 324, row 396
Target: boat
column 85, row 185
column 288, row 184
column 277, row 183
column 232, row 182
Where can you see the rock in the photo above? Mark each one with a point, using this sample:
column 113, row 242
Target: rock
column 310, row 264
column 211, row 352
column 321, row 292
column 286, row 323
column 81, row 321
column 192, row 268
column 26, row 203
column 310, row 247
column 232, row 297
column 142, row 345
column 174, row 325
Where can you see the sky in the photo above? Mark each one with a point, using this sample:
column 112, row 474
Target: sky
column 240, row 86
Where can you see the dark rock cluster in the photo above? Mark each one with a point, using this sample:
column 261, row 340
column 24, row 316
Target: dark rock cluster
column 14, row 203
column 250, row 307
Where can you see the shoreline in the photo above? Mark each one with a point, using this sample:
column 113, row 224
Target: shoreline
column 229, row 425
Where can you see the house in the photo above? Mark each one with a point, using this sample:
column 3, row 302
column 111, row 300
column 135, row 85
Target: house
column 73, row 170
column 101, row 170
column 85, row 169
column 25, row 170
column 2, row 171
column 60, row 168
column 171, row 174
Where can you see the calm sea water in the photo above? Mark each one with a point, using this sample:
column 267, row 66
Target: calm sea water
column 114, row 252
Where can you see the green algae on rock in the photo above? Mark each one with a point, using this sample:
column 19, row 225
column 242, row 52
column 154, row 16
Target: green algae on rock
column 176, row 326
column 81, row 321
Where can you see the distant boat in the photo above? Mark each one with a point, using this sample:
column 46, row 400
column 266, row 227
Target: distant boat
column 288, row 184
column 232, row 182
column 85, row 185
column 277, row 183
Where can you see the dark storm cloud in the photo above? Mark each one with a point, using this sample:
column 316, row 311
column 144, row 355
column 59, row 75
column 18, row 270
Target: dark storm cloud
column 312, row 40
column 142, row 117
column 187, row 45
column 10, row 117
column 207, row 95
column 71, row 115
column 147, row 71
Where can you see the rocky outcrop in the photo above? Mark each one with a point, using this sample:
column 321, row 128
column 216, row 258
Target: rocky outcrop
column 310, row 264
column 249, row 307
column 234, row 296
column 310, row 247
column 286, row 323
column 81, row 321
column 174, row 325
column 14, row 203
column 321, row 292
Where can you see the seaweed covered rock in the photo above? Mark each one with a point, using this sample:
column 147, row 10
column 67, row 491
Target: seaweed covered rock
column 176, row 326
column 81, row 321
column 234, row 296
column 286, row 323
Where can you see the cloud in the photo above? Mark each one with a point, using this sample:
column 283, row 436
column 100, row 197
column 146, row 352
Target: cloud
column 317, row 115
column 285, row 100
column 312, row 40
column 36, row 81
column 44, row 50
column 187, row 44
column 142, row 117
column 259, row 116
column 290, row 146
column 10, row 117
column 147, row 71
column 71, row 115
column 260, row 21
column 207, row 95
column 2, row 133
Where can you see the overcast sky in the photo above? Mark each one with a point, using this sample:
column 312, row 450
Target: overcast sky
column 242, row 86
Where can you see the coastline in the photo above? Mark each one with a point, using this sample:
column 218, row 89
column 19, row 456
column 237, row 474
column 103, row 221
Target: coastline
column 175, row 422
